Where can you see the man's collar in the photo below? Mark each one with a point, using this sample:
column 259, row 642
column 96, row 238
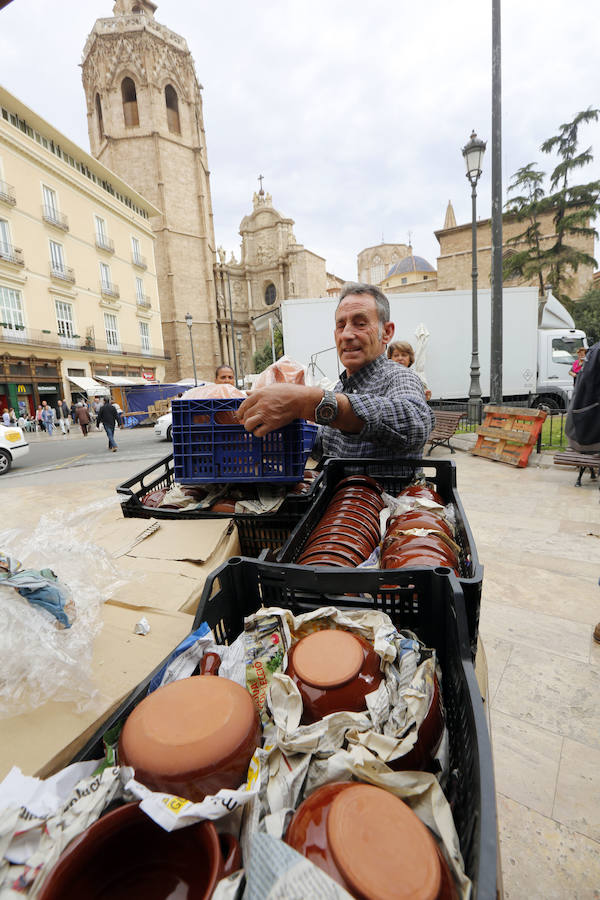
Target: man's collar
column 365, row 371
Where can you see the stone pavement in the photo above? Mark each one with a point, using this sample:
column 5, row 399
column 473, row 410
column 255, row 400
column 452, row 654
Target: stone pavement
column 538, row 538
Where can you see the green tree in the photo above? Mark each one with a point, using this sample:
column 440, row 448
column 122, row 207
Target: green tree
column 573, row 208
column 586, row 313
column 263, row 358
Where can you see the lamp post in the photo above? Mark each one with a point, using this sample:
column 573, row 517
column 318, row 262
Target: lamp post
column 473, row 155
column 189, row 322
column 238, row 336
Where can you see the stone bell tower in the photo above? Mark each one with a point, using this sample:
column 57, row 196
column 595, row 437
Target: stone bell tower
column 145, row 122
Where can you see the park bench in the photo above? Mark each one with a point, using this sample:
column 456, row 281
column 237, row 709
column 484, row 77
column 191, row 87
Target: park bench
column 445, row 427
column 579, row 461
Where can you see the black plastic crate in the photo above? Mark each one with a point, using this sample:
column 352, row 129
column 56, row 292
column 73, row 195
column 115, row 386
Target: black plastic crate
column 394, row 477
column 161, row 475
column 429, row 602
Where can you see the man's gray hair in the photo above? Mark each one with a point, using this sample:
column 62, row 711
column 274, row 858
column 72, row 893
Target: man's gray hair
column 381, row 301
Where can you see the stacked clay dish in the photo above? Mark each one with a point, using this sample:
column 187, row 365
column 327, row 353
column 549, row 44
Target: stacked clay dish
column 371, row 843
column 349, row 530
column 400, row 549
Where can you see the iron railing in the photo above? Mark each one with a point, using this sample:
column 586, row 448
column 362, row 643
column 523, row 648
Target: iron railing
column 10, row 334
column 62, row 273
column 105, row 243
column 11, row 254
column 7, row 193
column 144, row 302
column 53, row 217
column 139, row 261
column 107, row 289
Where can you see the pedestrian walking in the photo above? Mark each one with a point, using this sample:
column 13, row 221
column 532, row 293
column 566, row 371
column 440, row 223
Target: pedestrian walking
column 6, row 417
column 97, row 406
column 39, row 424
column 47, row 418
column 12, row 416
column 83, row 417
column 108, row 416
column 63, row 417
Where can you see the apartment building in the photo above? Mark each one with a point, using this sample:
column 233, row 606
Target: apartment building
column 78, row 286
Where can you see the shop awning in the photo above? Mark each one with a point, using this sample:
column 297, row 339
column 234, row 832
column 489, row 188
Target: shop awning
column 122, row 380
column 89, row 386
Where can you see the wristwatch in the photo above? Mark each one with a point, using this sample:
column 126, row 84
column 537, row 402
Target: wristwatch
column 327, row 409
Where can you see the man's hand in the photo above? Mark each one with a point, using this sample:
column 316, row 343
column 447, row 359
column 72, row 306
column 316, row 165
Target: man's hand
column 277, row 405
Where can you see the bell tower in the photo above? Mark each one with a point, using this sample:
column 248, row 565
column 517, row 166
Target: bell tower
column 145, row 122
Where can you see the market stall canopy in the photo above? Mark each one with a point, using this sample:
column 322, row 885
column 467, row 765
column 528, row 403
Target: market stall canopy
column 121, row 380
column 89, row 386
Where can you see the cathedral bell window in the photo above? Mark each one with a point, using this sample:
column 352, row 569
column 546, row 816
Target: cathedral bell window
column 130, row 107
column 172, row 109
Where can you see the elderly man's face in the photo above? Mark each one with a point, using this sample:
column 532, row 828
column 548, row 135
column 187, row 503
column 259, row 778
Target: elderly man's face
column 225, row 376
column 357, row 336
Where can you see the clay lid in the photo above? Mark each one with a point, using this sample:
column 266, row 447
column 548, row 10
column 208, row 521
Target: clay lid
column 188, row 726
column 381, row 847
column 328, row 659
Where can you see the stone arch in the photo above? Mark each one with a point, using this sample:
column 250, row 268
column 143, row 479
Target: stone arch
column 270, row 293
column 130, row 104
column 172, row 106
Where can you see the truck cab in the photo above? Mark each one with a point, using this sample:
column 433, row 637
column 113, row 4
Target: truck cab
column 557, row 351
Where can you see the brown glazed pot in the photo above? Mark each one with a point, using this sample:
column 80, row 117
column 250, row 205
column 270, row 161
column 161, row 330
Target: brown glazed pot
column 429, row 736
column 406, row 560
column 398, row 544
column 127, row 856
column 420, row 518
column 421, row 490
column 353, row 537
column 192, row 737
column 371, row 843
column 334, row 670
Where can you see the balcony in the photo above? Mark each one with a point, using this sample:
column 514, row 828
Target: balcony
column 144, row 302
column 139, row 261
column 105, row 243
column 7, row 193
column 18, row 334
column 11, row 254
column 62, row 273
column 53, row 217
column 109, row 290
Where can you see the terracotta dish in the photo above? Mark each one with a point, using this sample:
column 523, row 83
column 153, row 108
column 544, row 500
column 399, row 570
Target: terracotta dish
column 192, row 737
column 127, row 856
column 371, row 843
column 429, row 736
column 422, row 490
column 420, row 518
column 334, row 670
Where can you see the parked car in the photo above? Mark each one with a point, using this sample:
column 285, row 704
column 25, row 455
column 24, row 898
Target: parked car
column 12, row 446
column 163, row 428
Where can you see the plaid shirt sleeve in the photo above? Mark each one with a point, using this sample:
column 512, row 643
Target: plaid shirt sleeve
column 397, row 414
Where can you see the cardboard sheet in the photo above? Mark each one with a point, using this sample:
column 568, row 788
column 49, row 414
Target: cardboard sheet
column 193, row 540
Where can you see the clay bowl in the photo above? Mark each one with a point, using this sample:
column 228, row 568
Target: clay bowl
column 319, row 558
column 192, row 737
column 366, row 527
column 127, row 856
column 371, row 843
column 420, row 519
column 413, row 560
column 363, row 480
column 358, row 491
column 334, row 670
column 357, row 501
column 398, row 544
column 224, row 506
column 352, row 557
column 422, row 490
column 428, row 740
column 350, row 536
column 361, row 512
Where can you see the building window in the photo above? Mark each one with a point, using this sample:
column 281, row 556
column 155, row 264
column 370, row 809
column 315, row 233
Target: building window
column 403, row 280
column 136, row 251
column 50, row 201
column 105, row 280
column 425, row 277
column 130, row 107
column 101, row 234
column 76, row 372
column 112, row 331
column 377, row 270
column 64, row 319
column 172, row 109
column 99, row 118
column 57, row 259
column 5, row 242
column 145, row 336
column 11, row 309
column 270, row 294
column 139, row 290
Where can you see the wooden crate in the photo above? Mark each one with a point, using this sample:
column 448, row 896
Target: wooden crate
column 508, row 434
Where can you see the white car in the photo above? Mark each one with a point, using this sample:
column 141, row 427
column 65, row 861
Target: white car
column 12, row 446
column 163, row 429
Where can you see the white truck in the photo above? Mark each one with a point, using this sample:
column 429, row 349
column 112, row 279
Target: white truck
column 540, row 341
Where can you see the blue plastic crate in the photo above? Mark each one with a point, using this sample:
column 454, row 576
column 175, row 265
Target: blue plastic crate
column 208, row 449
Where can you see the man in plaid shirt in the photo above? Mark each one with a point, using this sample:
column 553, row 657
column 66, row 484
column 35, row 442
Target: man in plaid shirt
column 377, row 409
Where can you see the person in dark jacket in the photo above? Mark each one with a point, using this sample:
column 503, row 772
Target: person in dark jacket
column 108, row 416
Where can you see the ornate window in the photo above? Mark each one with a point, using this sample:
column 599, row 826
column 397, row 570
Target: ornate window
column 172, row 109
column 377, row 270
column 270, row 294
column 130, row 107
column 99, row 117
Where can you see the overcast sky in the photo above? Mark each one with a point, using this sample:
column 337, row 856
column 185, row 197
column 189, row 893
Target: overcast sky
column 354, row 112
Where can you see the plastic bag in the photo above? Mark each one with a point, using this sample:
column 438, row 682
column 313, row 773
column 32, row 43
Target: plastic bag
column 284, row 370
column 39, row 659
column 214, row 392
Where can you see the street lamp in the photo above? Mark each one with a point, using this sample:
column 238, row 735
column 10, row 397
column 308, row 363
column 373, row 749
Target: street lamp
column 189, row 322
column 239, row 356
column 473, row 155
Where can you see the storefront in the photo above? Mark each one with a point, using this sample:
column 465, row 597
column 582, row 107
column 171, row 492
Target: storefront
column 26, row 381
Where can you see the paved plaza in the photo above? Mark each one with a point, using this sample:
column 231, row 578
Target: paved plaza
column 538, row 538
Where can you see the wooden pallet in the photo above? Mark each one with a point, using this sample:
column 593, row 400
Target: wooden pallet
column 508, row 434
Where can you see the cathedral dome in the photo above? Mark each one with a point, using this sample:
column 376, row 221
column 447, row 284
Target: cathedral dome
column 410, row 264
